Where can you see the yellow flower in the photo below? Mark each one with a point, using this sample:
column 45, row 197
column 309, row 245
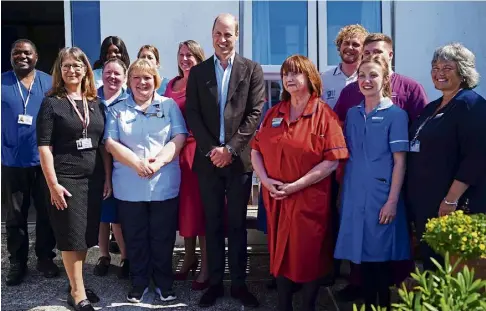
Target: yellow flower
column 474, row 234
column 482, row 247
column 464, row 239
column 460, row 230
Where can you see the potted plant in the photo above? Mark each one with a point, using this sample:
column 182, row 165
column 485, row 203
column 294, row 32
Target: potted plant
column 441, row 290
column 462, row 236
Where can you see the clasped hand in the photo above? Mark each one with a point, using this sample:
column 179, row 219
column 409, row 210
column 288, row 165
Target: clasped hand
column 279, row 190
column 221, row 157
column 146, row 168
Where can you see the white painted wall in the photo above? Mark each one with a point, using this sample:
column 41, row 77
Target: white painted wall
column 421, row 27
column 163, row 24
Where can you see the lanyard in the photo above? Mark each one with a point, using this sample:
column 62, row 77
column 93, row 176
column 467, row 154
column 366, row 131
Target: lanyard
column 85, row 120
column 25, row 102
column 429, row 118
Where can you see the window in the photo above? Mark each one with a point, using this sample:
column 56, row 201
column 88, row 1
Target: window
column 342, row 13
column 280, row 30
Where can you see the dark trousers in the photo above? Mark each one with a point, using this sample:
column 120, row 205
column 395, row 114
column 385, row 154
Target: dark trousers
column 285, row 288
column 149, row 230
column 217, row 189
column 376, row 283
column 19, row 185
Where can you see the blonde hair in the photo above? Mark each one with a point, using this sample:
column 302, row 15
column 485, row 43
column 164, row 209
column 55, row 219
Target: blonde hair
column 350, row 31
column 88, row 88
column 144, row 66
column 380, row 61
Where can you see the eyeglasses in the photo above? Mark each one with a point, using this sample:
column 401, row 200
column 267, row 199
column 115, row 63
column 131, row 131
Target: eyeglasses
column 76, row 67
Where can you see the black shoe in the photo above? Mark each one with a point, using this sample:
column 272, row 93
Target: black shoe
column 349, row 293
column 16, row 274
column 136, row 293
column 92, row 297
column 101, row 268
column 114, row 248
column 124, row 270
column 242, row 294
column 211, row 295
column 83, row 305
column 48, row 268
column 272, row 284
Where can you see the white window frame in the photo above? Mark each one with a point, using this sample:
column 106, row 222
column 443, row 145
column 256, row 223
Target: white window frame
column 272, row 72
column 316, row 24
column 68, row 38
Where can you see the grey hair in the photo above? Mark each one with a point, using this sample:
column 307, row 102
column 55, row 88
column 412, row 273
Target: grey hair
column 464, row 59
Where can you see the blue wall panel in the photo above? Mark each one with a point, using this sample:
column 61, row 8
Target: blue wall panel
column 86, row 31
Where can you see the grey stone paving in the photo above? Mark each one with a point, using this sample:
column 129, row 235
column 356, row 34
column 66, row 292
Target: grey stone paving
column 40, row 294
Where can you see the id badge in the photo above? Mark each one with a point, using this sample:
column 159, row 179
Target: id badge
column 25, row 119
column 84, row 143
column 415, row 146
column 276, row 122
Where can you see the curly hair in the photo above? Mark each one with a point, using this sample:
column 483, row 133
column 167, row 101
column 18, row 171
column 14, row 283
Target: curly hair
column 350, row 31
column 464, row 59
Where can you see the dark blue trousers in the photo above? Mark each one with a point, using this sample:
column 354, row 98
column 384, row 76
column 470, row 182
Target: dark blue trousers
column 149, row 231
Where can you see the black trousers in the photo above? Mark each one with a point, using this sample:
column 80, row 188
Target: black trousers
column 285, row 288
column 218, row 189
column 19, row 185
column 149, row 231
column 377, row 278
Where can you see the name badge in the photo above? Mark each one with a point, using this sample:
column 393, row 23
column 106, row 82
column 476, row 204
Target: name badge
column 84, row 143
column 376, row 119
column 276, row 122
column 415, row 146
column 331, row 94
column 131, row 121
column 25, row 119
column 439, row 115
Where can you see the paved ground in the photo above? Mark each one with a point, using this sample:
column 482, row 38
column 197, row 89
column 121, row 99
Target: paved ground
column 38, row 293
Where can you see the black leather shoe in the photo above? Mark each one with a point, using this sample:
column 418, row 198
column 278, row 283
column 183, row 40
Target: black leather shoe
column 48, row 268
column 92, row 297
column 211, row 295
column 16, row 274
column 83, row 305
column 244, row 296
column 102, row 266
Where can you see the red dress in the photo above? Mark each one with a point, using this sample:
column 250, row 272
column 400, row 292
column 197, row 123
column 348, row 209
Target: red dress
column 191, row 211
column 300, row 238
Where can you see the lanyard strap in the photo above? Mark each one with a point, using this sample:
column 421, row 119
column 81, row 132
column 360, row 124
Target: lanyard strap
column 25, row 101
column 431, row 117
column 85, row 120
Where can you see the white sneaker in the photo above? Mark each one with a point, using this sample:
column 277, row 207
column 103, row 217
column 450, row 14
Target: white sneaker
column 136, row 294
column 166, row 296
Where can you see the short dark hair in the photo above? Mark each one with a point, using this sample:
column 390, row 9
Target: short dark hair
column 118, row 42
column 27, row 41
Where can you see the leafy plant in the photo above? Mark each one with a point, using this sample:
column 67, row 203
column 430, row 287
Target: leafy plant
column 442, row 290
column 459, row 234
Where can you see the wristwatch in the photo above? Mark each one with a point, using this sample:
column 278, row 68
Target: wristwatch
column 231, row 150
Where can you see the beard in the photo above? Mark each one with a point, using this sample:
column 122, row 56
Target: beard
column 349, row 59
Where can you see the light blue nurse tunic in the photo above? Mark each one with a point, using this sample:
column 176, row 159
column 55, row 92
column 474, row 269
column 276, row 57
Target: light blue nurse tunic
column 372, row 139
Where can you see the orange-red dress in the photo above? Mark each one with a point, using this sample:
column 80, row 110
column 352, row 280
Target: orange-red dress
column 300, row 238
column 191, row 211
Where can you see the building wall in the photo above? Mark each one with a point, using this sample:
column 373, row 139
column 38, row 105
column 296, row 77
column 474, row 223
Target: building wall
column 421, row 27
column 164, row 24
